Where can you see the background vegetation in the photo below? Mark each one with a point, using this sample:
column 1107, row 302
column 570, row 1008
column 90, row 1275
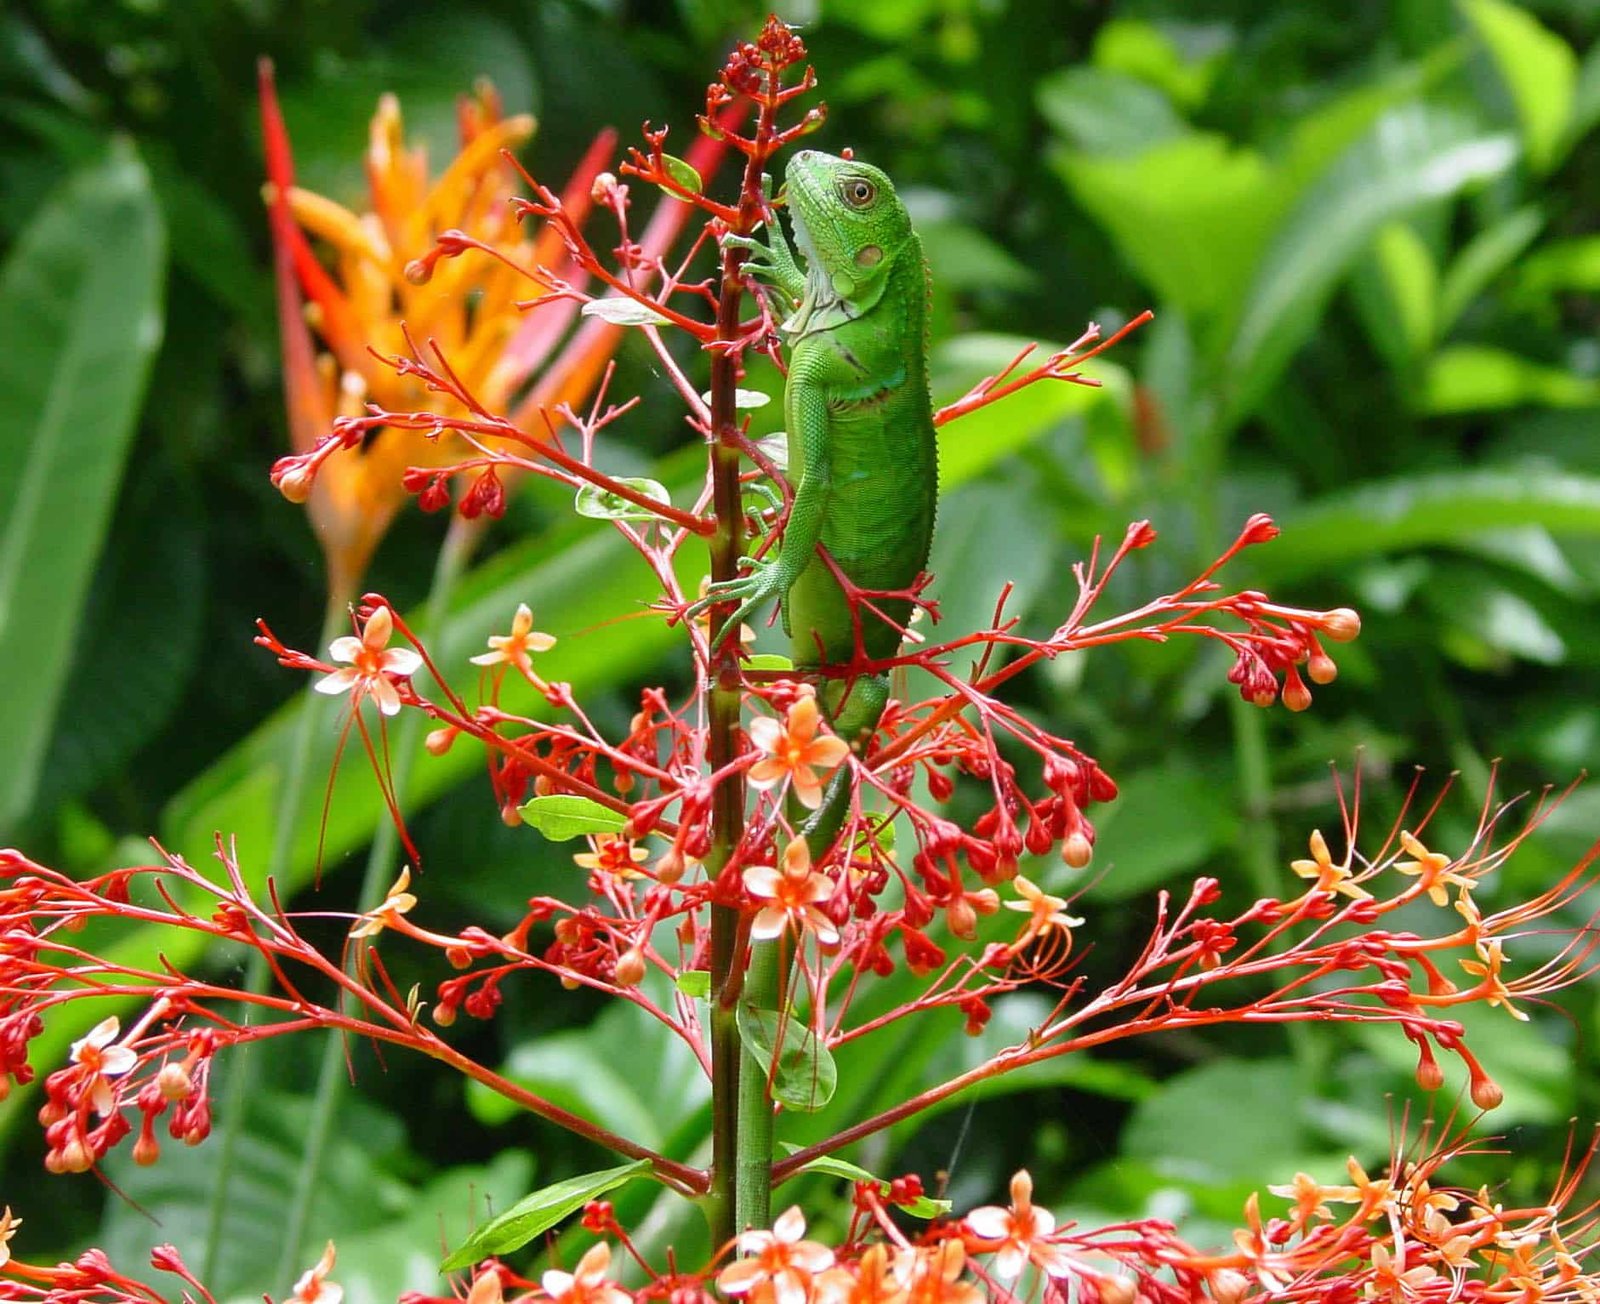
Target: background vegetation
column 1367, row 231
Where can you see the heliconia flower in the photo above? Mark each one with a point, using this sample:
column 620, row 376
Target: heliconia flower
column 587, row 1283
column 8, row 1229
column 780, row 1260
column 97, row 1052
column 374, row 665
column 795, row 894
column 314, row 1286
column 1045, row 913
column 1329, row 877
column 397, row 901
column 617, row 856
column 512, row 649
column 1022, row 1231
column 795, row 752
column 384, row 274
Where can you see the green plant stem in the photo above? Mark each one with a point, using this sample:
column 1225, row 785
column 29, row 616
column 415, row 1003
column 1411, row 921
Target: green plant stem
column 332, row 1073
column 753, row 1188
column 315, row 710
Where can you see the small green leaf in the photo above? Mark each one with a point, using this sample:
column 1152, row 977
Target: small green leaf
column 537, row 1213
column 1539, row 70
column 605, row 505
column 695, row 983
column 1482, row 259
column 1479, row 377
column 804, row 1076
column 622, row 311
column 564, row 817
column 683, row 173
column 769, row 661
column 922, row 1207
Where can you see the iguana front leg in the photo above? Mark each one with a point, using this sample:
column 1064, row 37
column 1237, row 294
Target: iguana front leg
column 773, row 577
column 772, row 260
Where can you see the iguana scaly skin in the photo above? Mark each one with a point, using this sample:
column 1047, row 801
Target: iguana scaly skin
column 862, row 455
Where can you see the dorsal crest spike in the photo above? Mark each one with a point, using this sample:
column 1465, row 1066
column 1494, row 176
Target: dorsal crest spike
column 847, row 153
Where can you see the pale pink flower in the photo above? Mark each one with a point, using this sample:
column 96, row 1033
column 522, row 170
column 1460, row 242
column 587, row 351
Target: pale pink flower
column 314, row 1286
column 587, row 1283
column 512, row 649
column 780, row 1260
column 1022, row 1231
column 374, row 665
column 104, row 1060
column 795, row 752
column 794, row 895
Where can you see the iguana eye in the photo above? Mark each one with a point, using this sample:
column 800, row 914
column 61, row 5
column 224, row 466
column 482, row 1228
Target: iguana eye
column 857, row 192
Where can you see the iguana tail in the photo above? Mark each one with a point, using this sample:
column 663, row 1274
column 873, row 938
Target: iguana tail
column 854, row 710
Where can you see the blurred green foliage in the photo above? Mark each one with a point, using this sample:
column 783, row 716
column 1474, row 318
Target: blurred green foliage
column 1368, row 233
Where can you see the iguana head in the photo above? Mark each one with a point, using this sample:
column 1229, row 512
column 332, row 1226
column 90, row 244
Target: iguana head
column 848, row 221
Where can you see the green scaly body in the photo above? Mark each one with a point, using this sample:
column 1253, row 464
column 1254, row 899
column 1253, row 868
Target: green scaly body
column 862, row 454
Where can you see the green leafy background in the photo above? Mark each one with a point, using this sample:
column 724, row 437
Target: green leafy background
column 1367, row 232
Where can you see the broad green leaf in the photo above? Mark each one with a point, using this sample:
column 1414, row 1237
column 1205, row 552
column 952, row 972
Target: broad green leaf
column 623, row 311
column 535, row 1214
column 1100, row 111
column 971, row 444
column 564, row 816
column 802, row 1070
column 1190, row 215
column 604, row 505
column 1421, row 511
column 1483, row 258
column 1141, row 49
column 1398, row 290
column 1479, row 377
column 1412, row 155
column 1231, row 1118
column 1538, row 68
column 1165, row 823
column 1563, row 265
column 80, row 321
column 922, row 1207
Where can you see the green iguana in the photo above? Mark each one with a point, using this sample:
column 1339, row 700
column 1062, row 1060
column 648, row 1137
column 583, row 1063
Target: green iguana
column 862, row 455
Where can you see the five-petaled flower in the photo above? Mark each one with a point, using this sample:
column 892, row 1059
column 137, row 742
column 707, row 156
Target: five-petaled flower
column 1022, row 1232
column 795, row 894
column 1329, row 877
column 1432, row 869
column 512, row 649
column 779, row 1260
column 1045, row 913
column 617, row 856
column 587, row 1283
column 374, row 665
column 397, row 901
column 314, row 1286
column 97, row 1052
column 795, row 752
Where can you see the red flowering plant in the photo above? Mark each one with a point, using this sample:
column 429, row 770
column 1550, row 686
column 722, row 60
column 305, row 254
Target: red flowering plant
column 707, row 908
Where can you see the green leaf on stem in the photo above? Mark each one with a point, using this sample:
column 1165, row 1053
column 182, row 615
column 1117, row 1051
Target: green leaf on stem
column 683, row 173
column 802, row 1070
column 535, row 1214
column 694, row 983
column 605, row 505
column 923, row 1206
column 769, row 661
column 565, row 816
column 1539, row 70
